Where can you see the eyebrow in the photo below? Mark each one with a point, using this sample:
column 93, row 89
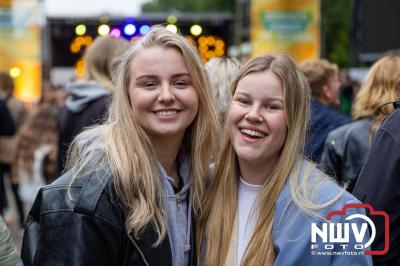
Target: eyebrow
column 248, row 95
column 178, row 75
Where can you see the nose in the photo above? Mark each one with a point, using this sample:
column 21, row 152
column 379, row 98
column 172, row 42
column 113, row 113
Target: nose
column 253, row 115
column 166, row 94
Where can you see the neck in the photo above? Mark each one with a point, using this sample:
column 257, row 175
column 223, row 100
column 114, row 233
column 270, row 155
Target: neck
column 323, row 101
column 166, row 150
column 256, row 173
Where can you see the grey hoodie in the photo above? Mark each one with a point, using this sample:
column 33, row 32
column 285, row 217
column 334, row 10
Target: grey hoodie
column 80, row 94
column 179, row 213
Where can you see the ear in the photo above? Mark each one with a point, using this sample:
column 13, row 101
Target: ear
column 326, row 93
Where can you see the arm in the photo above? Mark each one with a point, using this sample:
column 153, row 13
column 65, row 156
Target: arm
column 379, row 185
column 70, row 239
column 331, row 159
column 8, row 253
column 58, row 234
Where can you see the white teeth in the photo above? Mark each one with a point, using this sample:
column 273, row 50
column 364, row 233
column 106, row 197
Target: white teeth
column 252, row 132
column 166, row 113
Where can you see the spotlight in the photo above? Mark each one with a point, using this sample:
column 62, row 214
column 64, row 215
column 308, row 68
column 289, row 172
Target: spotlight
column 196, row 30
column 172, row 19
column 80, row 29
column 129, row 29
column 144, row 29
column 115, row 33
column 15, row 72
column 103, row 29
column 172, row 28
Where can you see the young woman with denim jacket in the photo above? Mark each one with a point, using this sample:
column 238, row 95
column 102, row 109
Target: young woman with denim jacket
column 265, row 196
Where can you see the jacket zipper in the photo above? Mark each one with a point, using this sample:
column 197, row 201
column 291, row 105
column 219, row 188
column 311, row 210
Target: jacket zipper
column 140, row 251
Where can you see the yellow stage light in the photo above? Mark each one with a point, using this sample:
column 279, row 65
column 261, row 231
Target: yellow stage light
column 196, row 30
column 15, row 72
column 172, row 19
column 172, row 28
column 80, row 29
column 103, row 29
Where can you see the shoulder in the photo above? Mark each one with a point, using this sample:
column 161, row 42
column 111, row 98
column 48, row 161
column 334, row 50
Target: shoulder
column 351, row 130
column 321, row 191
column 320, row 111
column 316, row 195
column 292, row 225
column 390, row 125
column 9, row 254
column 90, row 194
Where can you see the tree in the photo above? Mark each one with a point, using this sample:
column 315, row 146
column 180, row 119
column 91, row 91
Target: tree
column 336, row 27
column 189, row 5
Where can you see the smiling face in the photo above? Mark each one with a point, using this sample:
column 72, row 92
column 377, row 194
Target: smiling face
column 256, row 119
column 161, row 93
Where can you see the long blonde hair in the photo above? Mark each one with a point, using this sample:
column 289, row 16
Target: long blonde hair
column 382, row 85
column 129, row 151
column 219, row 209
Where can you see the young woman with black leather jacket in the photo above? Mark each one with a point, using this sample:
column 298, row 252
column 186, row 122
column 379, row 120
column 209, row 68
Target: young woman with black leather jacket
column 136, row 181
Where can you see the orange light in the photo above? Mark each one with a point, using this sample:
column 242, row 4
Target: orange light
column 75, row 48
column 87, row 40
column 210, row 40
column 219, row 43
column 219, row 52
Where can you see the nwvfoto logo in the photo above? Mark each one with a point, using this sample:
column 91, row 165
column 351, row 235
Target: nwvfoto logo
column 337, row 235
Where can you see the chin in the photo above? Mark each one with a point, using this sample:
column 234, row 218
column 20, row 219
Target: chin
column 249, row 156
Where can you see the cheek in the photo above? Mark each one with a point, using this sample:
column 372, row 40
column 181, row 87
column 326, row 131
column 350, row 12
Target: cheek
column 234, row 114
column 140, row 101
column 233, row 117
column 280, row 125
column 192, row 98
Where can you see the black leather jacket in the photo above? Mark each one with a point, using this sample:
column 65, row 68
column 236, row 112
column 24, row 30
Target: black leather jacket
column 87, row 229
column 345, row 151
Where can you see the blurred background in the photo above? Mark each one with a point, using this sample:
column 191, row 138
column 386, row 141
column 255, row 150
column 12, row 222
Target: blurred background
column 45, row 39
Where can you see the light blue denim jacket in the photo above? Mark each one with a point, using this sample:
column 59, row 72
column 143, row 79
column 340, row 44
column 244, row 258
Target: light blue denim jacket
column 291, row 231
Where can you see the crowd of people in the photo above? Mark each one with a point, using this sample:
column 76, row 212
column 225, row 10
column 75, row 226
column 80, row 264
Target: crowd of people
column 156, row 158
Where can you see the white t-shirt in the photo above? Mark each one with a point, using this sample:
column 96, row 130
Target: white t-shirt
column 247, row 218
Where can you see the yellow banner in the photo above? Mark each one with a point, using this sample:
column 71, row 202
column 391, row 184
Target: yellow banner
column 291, row 26
column 20, row 47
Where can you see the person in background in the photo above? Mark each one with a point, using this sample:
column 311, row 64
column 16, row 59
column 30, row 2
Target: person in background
column 346, row 147
column 265, row 195
column 7, row 142
column 222, row 71
column 379, row 185
column 348, row 90
column 8, row 253
column 323, row 78
column 35, row 161
column 48, row 96
column 60, row 96
column 88, row 97
column 135, row 182
column 7, row 129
